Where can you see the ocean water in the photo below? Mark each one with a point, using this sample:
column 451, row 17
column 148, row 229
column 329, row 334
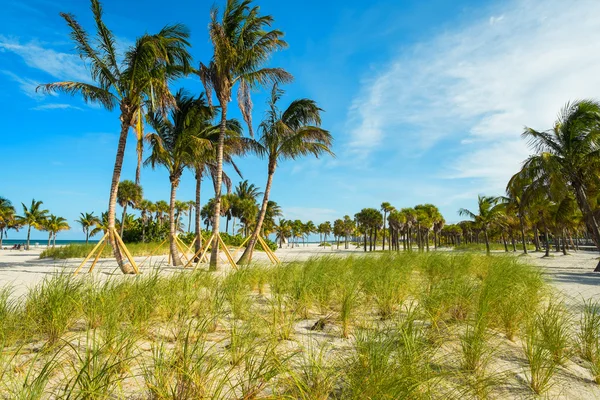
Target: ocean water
column 42, row 242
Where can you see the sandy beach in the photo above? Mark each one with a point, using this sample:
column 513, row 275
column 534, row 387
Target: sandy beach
column 572, row 274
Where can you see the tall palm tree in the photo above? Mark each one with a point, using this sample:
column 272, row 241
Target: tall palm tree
column 283, row 231
column 128, row 194
column 571, row 149
column 143, row 76
column 204, row 163
column 33, row 216
column 145, row 207
column 290, row 134
column 190, row 211
column 162, row 207
column 53, row 225
column 7, row 217
column 242, row 44
column 488, row 211
column 87, row 221
column 385, row 208
column 173, row 145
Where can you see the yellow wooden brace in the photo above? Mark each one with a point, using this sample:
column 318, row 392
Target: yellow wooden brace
column 91, row 253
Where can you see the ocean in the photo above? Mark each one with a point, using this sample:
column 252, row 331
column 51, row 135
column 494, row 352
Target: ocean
column 42, row 242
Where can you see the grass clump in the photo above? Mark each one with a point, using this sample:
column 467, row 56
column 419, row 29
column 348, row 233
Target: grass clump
column 389, row 325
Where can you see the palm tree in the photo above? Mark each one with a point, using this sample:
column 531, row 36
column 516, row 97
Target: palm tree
column 242, row 44
column 102, row 225
column 143, row 76
column 162, row 207
column 290, row 134
column 489, row 210
column 571, row 150
column 245, row 190
column 349, row 226
column 33, row 216
column 145, row 207
column 386, row 208
column 87, row 221
column 190, row 210
column 128, row 194
column 283, row 231
column 173, row 146
column 53, row 225
column 7, row 217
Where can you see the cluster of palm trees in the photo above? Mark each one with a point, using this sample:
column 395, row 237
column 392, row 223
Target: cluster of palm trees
column 34, row 216
column 189, row 131
column 556, row 193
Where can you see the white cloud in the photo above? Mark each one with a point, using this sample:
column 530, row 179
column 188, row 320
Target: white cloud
column 60, row 65
column 26, row 85
column 55, row 106
column 477, row 85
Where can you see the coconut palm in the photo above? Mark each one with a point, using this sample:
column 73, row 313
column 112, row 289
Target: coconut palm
column 488, row 212
column 290, row 134
column 571, row 150
column 173, row 146
column 33, row 216
column 283, row 231
column 53, row 225
column 141, row 77
column 87, row 221
column 128, row 194
column 145, row 207
column 242, row 43
column 7, row 217
column 385, row 208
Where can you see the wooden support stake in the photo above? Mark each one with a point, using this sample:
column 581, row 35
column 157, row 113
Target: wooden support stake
column 126, row 251
column 181, row 249
column 227, row 253
column 196, row 254
column 267, row 250
column 97, row 257
column 242, row 245
column 91, row 253
column 152, row 253
column 204, row 252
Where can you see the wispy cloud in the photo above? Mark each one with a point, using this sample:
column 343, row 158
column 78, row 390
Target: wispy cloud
column 60, row 65
column 26, row 85
column 477, row 85
column 56, row 106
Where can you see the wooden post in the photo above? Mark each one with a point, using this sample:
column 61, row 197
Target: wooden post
column 97, row 257
column 183, row 253
column 91, row 253
column 152, row 253
column 242, row 245
column 226, row 251
column 126, row 251
column 267, row 250
column 204, row 251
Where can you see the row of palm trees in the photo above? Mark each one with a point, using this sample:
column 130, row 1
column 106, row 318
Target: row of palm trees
column 34, row 216
column 557, row 191
column 185, row 133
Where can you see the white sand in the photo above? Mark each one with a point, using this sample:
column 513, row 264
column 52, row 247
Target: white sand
column 572, row 274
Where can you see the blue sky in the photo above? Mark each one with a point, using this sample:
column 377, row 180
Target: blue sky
column 426, row 99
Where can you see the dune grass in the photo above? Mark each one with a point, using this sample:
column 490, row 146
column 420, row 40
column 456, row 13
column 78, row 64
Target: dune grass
column 376, row 326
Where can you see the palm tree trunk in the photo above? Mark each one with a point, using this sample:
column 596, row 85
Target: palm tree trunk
column 375, row 240
column 126, row 117
column 189, row 219
column 28, row 236
column 214, row 254
column 536, row 239
column 435, row 239
column 547, row 241
column 197, row 217
column 87, row 235
column 365, row 242
column 521, row 222
column 383, row 244
column 427, row 239
column 172, row 228
column 123, row 220
column 247, row 255
column 227, row 225
column 1, row 237
column 504, row 241
column 487, row 242
column 54, row 241
column 49, row 239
